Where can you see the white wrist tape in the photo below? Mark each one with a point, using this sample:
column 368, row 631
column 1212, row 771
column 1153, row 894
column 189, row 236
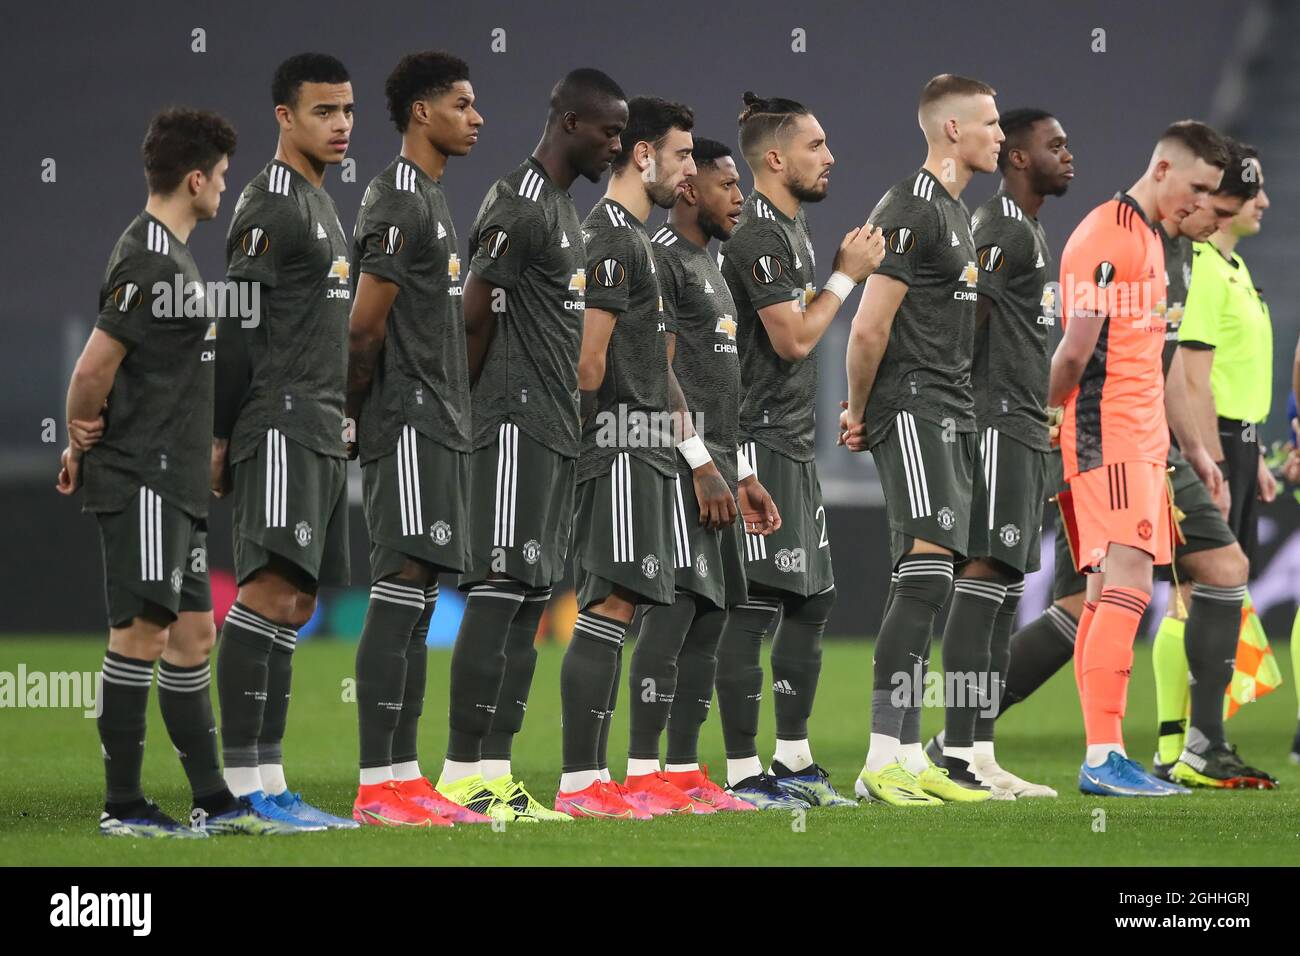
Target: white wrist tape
column 743, row 468
column 694, row 452
column 839, row 285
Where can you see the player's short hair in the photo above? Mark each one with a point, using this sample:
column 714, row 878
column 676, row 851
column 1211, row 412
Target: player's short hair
column 420, row 76
column 950, row 84
column 1016, row 125
column 304, row 68
column 763, row 120
column 1199, row 139
column 583, row 89
column 181, row 140
column 707, row 152
column 649, row 120
column 1241, row 174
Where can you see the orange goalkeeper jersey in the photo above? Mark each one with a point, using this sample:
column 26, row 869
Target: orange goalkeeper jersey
column 1113, row 268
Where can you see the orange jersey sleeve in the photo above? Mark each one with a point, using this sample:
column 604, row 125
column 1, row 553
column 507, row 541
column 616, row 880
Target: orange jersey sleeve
column 1113, row 269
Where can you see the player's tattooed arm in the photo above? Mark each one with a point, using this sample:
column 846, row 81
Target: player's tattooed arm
column 92, row 380
column 717, row 505
column 480, row 321
column 597, row 329
column 868, row 339
column 367, row 329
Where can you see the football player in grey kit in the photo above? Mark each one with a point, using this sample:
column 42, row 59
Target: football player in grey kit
column 671, row 674
column 769, row 267
column 909, row 372
column 1016, row 311
column 408, row 392
column 524, row 305
column 278, row 431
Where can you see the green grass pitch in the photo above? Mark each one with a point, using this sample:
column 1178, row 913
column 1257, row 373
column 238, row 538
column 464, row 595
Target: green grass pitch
column 51, row 787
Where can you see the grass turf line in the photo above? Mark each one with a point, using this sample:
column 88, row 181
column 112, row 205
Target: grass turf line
column 51, row 788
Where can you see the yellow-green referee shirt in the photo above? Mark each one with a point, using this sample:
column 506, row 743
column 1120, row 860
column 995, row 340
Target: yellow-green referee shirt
column 1225, row 312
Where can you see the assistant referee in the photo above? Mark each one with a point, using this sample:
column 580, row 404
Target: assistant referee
column 1226, row 338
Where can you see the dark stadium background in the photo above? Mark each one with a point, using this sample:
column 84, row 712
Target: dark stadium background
column 82, row 80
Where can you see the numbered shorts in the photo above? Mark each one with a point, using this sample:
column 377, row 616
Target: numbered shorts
column 154, row 554
column 292, row 502
column 624, row 533
column 1009, row 501
column 1124, row 503
column 797, row 556
column 929, row 486
column 1200, row 526
column 417, row 506
column 708, row 563
column 521, row 510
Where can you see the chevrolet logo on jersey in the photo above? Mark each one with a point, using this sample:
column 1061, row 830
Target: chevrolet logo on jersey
column 453, row 267
column 971, row 276
column 211, row 334
column 578, row 284
column 726, row 325
column 809, row 293
column 340, row 269
column 1048, row 304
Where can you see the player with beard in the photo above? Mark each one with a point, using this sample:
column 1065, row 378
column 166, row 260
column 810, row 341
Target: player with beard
column 278, row 438
column 627, row 472
column 909, row 372
column 672, row 671
column 524, row 319
column 769, row 266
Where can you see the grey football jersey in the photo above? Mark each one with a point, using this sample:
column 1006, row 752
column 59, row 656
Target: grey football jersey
column 1178, row 276
column 158, row 423
column 404, row 234
column 527, row 241
column 1011, row 350
column 706, row 359
column 632, row 401
column 769, row 260
column 927, row 362
column 286, row 236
